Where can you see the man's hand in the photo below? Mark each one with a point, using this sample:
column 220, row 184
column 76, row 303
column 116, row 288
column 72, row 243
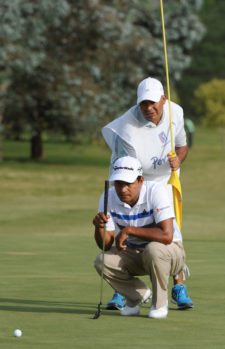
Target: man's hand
column 174, row 161
column 121, row 240
column 101, row 235
column 100, row 220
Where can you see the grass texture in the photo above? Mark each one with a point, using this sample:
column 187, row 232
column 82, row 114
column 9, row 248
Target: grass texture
column 48, row 286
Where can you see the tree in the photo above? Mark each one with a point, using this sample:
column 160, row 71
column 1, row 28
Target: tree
column 207, row 56
column 72, row 66
column 183, row 32
column 210, row 103
column 26, row 67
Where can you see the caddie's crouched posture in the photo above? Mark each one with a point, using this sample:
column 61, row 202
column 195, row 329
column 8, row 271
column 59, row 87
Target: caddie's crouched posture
column 147, row 239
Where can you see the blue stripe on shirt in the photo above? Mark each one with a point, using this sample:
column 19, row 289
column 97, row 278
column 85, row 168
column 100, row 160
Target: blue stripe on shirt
column 132, row 217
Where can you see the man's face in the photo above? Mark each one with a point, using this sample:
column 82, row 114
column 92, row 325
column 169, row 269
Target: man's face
column 129, row 192
column 152, row 111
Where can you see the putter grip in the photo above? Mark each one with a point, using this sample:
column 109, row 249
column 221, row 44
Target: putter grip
column 106, row 192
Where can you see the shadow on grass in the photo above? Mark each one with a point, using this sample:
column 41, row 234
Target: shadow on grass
column 57, row 153
column 75, row 161
column 36, row 306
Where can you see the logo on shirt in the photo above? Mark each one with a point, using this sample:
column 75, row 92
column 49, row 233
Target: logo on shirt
column 161, row 208
column 158, row 162
column 163, row 137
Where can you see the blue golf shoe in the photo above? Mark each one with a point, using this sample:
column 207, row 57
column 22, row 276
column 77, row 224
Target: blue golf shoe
column 180, row 297
column 117, row 302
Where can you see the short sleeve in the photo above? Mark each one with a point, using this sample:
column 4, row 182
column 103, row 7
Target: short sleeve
column 180, row 134
column 161, row 203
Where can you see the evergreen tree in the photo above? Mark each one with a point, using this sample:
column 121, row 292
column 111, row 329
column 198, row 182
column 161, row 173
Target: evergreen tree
column 70, row 66
column 207, row 57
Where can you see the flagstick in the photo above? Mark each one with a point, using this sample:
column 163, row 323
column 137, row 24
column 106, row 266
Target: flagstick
column 174, row 178
column 167, row 74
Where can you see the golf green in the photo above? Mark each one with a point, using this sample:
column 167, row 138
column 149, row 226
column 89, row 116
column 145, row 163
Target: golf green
column 49, row 288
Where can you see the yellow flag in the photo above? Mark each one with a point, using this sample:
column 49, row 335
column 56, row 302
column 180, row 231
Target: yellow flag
column 174, row 180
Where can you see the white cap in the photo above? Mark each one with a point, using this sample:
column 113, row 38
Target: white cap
column 126, row 169
column 149, row 89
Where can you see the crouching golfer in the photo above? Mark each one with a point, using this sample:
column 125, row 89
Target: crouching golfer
column 147, row 239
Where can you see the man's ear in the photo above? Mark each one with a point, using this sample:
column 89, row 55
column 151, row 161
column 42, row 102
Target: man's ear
column 141, row 179
column 164, row 99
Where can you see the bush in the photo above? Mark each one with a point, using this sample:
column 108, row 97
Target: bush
column 210, row 103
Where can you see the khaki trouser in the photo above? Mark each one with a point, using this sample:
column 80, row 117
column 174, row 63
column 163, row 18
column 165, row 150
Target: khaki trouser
column 157, row 260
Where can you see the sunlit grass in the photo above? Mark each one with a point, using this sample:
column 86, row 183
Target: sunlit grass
column 49, row 287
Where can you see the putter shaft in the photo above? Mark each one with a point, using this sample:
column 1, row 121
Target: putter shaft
column 106, row 192
column 98, row 312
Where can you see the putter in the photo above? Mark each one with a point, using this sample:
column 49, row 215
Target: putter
column 106, row 192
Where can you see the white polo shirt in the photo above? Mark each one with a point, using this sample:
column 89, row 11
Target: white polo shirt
column 131, row 134
column 153, row 206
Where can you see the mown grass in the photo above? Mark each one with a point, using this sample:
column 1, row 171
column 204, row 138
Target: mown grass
column 49, row 287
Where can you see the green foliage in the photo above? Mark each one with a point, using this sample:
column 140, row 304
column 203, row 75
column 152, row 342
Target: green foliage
column 28, row 68
column 71, row 66
column 210, row 103
column 183, row 31
column 207, row 56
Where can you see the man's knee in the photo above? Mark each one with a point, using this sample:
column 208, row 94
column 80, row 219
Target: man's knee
column 153, row 252
column 111, row 261
column 98, row 263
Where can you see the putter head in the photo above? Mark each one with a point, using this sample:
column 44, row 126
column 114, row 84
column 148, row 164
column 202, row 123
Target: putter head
column 98, row 312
